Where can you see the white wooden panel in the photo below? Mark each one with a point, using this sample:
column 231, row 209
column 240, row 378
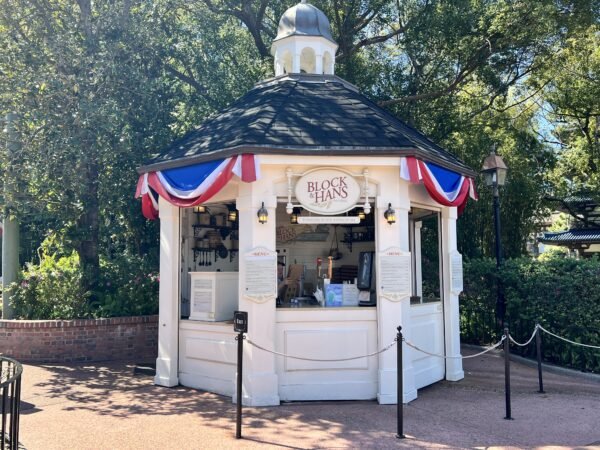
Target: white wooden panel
column 428, row 334
column 327, row 333
column 207, row 356
column 211, row 349
column 325, row 344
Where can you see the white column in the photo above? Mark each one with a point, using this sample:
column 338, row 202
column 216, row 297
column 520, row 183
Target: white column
column 319, row 64
column 168, row 296
column 454, row 369
column 260, row 382
column 296, row 63
column 418, row 268
column 391, row 314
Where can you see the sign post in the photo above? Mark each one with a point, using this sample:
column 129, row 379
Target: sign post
column 240, row 326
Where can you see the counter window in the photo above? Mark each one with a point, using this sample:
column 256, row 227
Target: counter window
column 318, row 264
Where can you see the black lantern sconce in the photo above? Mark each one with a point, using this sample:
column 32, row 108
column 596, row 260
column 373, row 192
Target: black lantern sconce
column 262, row 214
column 200, row 209
column 390, row 214
column 294, row 216
column 232, row 213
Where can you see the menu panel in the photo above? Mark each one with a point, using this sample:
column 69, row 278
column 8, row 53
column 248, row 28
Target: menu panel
column 395, row 273
column 261, row 274
column 456, row 268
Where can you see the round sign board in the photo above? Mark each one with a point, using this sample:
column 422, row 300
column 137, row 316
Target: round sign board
column 327, row 191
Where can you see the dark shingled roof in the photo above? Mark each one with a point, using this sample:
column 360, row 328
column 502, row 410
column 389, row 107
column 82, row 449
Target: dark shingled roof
column 575, row 236
column 303, row 115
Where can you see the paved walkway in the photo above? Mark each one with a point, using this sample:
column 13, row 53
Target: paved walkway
column 106, row 407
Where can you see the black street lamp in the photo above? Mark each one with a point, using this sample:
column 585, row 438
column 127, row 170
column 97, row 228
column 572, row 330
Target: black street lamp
column 494, row 173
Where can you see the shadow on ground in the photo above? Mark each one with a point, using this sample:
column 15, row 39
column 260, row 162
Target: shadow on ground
column 463, row 414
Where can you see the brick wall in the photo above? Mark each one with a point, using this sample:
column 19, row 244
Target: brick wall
column 58, row 341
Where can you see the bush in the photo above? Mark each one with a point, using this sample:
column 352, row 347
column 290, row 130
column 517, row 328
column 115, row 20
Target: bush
column 50, row 290
column 129, row 287
column 559, row 293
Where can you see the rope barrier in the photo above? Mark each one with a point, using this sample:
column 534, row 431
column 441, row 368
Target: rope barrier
column 410, row 344
column 567, row 340
column 322, row 360
column 530, row 339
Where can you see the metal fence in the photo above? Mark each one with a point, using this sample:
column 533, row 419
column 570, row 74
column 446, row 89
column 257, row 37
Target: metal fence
column 10, row 389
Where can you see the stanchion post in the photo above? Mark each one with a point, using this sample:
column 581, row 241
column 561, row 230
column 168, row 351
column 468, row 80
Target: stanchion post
column 507, row 372
column 538, row 350
column 240, row 358
column 400, row 384
column 240, row 325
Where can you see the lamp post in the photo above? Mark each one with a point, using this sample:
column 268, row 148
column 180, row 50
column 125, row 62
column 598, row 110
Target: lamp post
column 494, row 173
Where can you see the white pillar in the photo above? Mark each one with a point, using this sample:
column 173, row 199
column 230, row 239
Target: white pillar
column 454, row 369
column 391, row 314
column 319, row 64
column 260, row 382
column 296, row 63
column 168, row 296
column 418, row 267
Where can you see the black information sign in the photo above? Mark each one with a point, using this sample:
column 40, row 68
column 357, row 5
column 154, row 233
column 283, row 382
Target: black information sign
column 240, row 322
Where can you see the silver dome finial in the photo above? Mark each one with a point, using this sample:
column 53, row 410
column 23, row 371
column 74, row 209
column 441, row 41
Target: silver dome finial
column 304, row 43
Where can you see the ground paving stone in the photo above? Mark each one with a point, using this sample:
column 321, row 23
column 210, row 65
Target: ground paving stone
column 106, row 406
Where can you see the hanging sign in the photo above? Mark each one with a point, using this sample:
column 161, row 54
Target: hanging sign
column 327, row 191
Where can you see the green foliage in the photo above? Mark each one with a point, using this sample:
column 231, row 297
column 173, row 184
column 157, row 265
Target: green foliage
column 100, row 86
column 559, row 293
column 129, row 287
column 50, row 290
column 53, row 289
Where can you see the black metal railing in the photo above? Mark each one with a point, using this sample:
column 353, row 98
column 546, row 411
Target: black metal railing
column 10, row 391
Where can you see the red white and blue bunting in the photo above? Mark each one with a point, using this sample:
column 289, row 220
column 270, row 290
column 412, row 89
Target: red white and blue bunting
column 195, row 184
column 446, row 187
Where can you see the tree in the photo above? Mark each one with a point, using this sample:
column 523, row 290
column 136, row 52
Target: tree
column 100, row 86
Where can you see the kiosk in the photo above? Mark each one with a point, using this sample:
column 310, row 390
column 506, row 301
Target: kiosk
column 326, row 219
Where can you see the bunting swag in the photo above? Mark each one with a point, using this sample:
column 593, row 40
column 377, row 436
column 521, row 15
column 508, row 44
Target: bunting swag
column 193, row 185
column 444, row 186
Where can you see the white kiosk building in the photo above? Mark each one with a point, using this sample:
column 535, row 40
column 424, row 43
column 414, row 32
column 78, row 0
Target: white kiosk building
column 324, row 217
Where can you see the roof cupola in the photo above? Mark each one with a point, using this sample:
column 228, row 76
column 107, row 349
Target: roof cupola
column 304, row 43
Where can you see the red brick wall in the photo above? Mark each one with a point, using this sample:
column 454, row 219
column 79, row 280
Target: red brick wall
column 59, row 341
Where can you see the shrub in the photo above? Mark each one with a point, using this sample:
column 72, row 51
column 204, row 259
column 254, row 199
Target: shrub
column 559, row 293
column 129, row 287
column 50, row 290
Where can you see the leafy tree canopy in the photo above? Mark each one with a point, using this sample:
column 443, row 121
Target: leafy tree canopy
column 99, row 86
